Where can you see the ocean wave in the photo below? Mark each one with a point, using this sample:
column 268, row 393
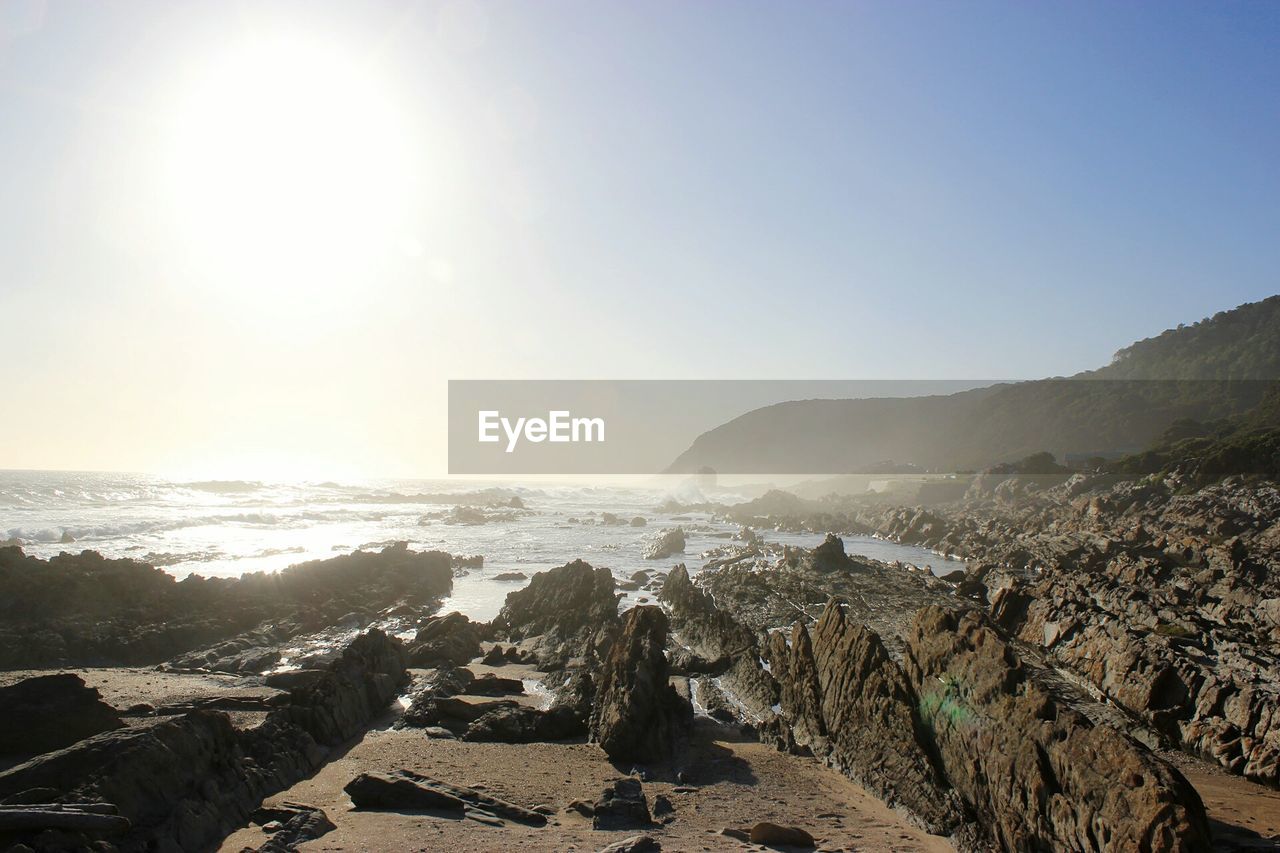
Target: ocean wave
column 222, row 486
column 52, row 534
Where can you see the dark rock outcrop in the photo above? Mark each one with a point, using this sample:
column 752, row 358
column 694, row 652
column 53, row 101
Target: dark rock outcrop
column 728, row 647
column 452, row 639
column 85, row 610
column 522, row 724
column 829, row 556
column 186, row 782
column 571, row 610
column 297, row 824
column 622, row 805
column 393, row 791
column 1164, row 599
column 638, row 715
column 404, row 790
column 50, row 712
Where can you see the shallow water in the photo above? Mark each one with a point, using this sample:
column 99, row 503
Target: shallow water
column 228, row 529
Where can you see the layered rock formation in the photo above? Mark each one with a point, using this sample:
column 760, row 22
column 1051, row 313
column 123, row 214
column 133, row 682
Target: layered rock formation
column 961, row 737
column 1167, row 602
column 185, row 782
column 944, row 721
column 849, row 703
column 638, row 715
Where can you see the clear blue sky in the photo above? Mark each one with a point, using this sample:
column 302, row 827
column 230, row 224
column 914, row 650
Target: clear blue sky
column 644, row 190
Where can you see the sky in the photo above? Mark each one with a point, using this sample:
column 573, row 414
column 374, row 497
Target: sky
column 259, row 239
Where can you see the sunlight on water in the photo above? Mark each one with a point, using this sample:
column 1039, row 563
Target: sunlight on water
column 230, row 528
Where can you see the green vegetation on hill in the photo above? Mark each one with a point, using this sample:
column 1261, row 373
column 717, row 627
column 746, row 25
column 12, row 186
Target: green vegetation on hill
column 1243, row 343
column 1248, row 445
column 1211, row 372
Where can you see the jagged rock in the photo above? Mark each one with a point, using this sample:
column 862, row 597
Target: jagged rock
column 510, row 576
column 189, row 780
column 715, row 636
column 1036, row 774
column 771, row 834
column 358, row 685
column 829, row 556
column 180, row 778
column 452, row 639
column 1155, row 595
column 965, row 741
column 668, row 544
column 866, row 709
column 49, row 712
column 572, row 610
column 622, row 805
column 292, row 679
column 638, row 715
column 686, row 662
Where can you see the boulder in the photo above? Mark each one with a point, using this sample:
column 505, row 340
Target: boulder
column 495, row 685
column 397, row 792
column 638, row 715
column 452, row 639
column 667, row 544
column 622, row 805
column 634, row 844
column 522, row 724
column 774, row 835
column 49, row 712
column 294, row 824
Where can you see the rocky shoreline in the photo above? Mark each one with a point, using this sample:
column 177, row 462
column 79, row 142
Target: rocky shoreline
column 1028, row 704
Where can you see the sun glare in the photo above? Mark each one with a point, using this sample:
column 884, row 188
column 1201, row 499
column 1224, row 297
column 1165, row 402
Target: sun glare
column 290, row 170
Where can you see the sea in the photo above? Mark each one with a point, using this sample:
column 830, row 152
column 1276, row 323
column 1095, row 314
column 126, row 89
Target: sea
column 231, row 527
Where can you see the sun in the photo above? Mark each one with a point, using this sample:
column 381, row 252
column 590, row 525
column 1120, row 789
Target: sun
column 289, row 170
